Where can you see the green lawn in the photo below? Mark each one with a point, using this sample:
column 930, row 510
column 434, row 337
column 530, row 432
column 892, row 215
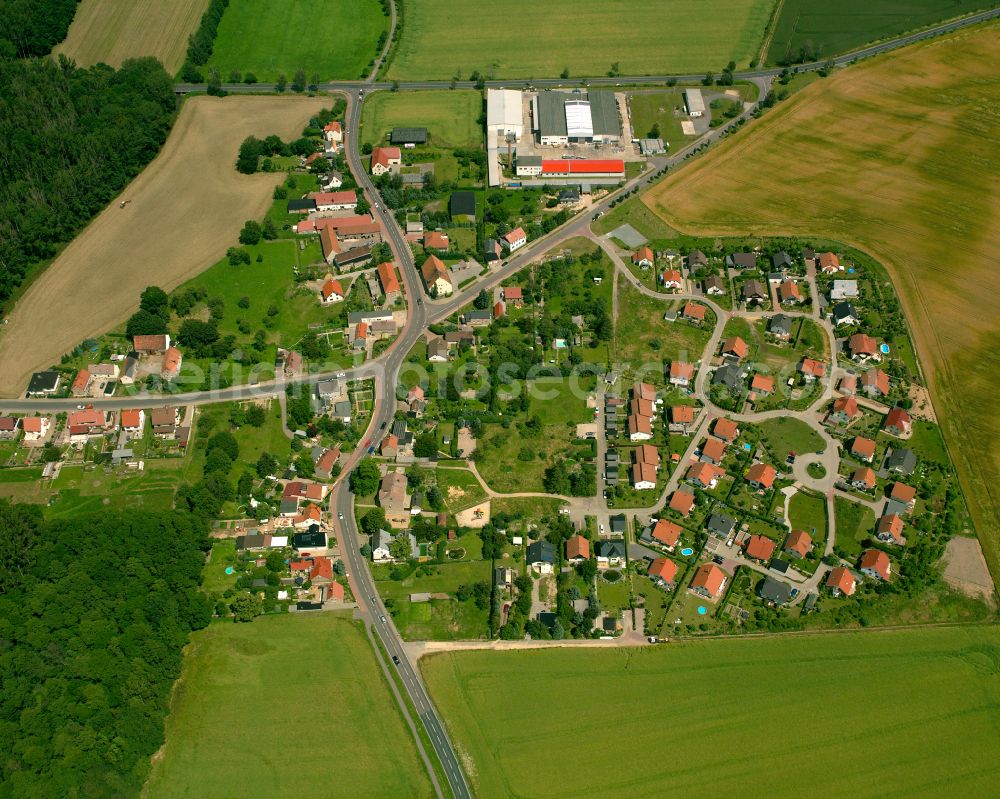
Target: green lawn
column 733, row 734
column 252, row 441
column 807, row 511
column 786, row 435
column 854, row 523
column 223, row 555
column 443, row 39
column 825, row 31
column 460, row 489
column 636, row 213
column 643, row 338
column 657, row 108
column 81, row 490
column 451, row 117
column 246, row 688
column 927, row 442
column 333, row 38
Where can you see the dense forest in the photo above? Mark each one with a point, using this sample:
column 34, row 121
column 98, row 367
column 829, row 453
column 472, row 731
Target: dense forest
column 94, row 613
column 70, row 140
column 32, row 28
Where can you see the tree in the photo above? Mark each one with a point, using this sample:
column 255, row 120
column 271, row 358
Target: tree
column 399, row 548
column 251, row 233
column 482, row 301
column 565, row 73
column 154, row 300
column 362, row 207
column 299, row 81
column 143, row 323
column 425, row 445
column 250, row 78
column 197, row 334
column 255, row 416
column 365, row 477
column 373, row 521
column 314, row 82
column 268, row 230
column 281, row 83
column 246, row 607
column 304, row 465
column 266, row 464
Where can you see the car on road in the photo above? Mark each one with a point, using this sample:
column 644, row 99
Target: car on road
column 395, row 659
column 341, row 374
column 382, row 619
column 371, row 450
column 383, row 425
column 420, row 300
column 340, row 516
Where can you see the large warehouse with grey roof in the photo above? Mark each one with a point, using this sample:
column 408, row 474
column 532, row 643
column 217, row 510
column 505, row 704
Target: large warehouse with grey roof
column 560, row 117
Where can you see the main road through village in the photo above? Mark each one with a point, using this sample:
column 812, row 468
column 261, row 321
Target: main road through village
column 385, row 369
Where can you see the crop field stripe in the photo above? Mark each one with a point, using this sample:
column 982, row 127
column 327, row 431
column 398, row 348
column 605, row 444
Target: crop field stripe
column 884, row 180
column 443, row 37
column 704, row 704
column 111, row 32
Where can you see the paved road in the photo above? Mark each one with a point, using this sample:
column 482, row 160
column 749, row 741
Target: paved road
column 627, row 80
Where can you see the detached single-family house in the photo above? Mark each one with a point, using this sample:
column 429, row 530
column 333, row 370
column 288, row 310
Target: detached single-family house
column 43, row 384
column 380, row 544
column 844, row 313
column 81, row 383
column 708, row 581
column 577, row 549
column 384, row 159
column 643, row 257
column 863, row 449
column 333, row 132
column 782, row 261
column 875, row 563
column 901, row 461
column 436, row 241
column 713, row 451
column 890, row 529
column 829, row 263
column 492, row 250
column 762, row 476
column 762, row 385
column 726, row 429
column 705, row 475
column 331, row 291
column 753, row 292
column 681, row 501
column 392, row 494
column 898, row 423
column 841, row 582
column 541, row 556
column 680, row 418
column 875, row 383
column 666, row 533
column 775, row 592
column 731, row 375
column 696, row 259
column 759, row 547
column 35, row 428
column 513, row 296
column 845, row 410
column 780, row 326
column 640, row 428
column 643, row 476
column 811, row 369
column 863, row 479
column 132, row 421
column 713, row 286
column 904, row 494
column 798, row 543
column 663, row 572
column 611, row 553
column 672, row 279
column 863, row 348
column 681, row 374
column 721, row 525
column 694, row 312
column 788, row 292
column 742, row 260
column 514, row 240
column 734, row 347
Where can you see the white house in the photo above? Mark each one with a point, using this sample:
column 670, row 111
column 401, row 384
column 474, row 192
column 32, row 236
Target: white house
column 514, row 240
column 331, row 291
column 36, row 427
column 335, row 200
column 380, row 547
column 333, row 133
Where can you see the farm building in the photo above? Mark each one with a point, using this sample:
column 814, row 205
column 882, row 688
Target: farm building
column 694, row 102
column 408, row 137
column 563, row 117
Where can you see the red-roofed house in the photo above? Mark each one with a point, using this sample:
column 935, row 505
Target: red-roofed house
column 389, row 447
column 577, row 549
column 875, row 563
column 841, row 582
column 761, row 475
column 901, row 492
column 762, row 385
column 328, row 241
column 898, row 423
column 360, row 335
column 845, row 410
column 499, row 309
column 681, row 417
column 863, row 348
column 640, row 428
column 666, row 533
column 333, row 132
column 514, row 240
column 812, row 369
column 648, row 454
column 321, row 572
column 81, row 383
column 682, row 501
column 726, row 429
column 326, row 462
column 513, row 295
column 890, row 530
column 36, row 427
column 713, row 450
column 705, row 475
column 384, row 159
column 331, row 292
column 335, row 200
column 708, row 581
column 734, row 347
column 863, row 448
column 693, row 311
column 788, row 292
column 150, row 344
column 663, row 571
column 643, row 476
column 681, row 374
column 798, row 543
column 863, row 479
column 671, row 279
column 171, row 366
column 307, row 516
column 641, row 407
column 132, row 421
column 829, row 263
column 436, row 241
column 388, row 280
column 334, row 592
column 759, row 547
column 875, row 383
column 436, row 277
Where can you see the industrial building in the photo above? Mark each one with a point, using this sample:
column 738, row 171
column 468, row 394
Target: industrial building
column 694, row 102
column 503, row 114
column 569, row 168
column 560, row 118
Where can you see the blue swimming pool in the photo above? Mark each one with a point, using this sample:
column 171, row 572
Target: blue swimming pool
column 229, row 569
column 701, row 610
column 884, row 348
column 687, row 552
column 747, row 447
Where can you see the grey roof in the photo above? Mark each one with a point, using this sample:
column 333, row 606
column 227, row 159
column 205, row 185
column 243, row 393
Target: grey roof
column 353, row 255
column 902, row 461
column 611, row 456
column 615, row 548
column 604, row 113
column 843, row 310
column 779, row 565
column 721, row 524
column 775, row 591
column 288, row 506
column 552, row 113
column 330, row 386
column 780, row 323
column 541, row 552
column 309, row 540
column 367, row 316
column 714, row 282
column 618, row 523
column 43, row 381
column 408, row 135
column 743, row 260
column 306, row 204
column 754, row 288
column 477, row 315
column 731, row 375
column 462, row 203
column 781, row 259
column 342, row 408
column 529, row 160
column 697, row 258
column 244, row 542
column 894, row 506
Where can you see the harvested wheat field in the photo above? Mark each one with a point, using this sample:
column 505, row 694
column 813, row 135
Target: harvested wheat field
column 900, row 157
column 184, row 210
column 113, row 30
